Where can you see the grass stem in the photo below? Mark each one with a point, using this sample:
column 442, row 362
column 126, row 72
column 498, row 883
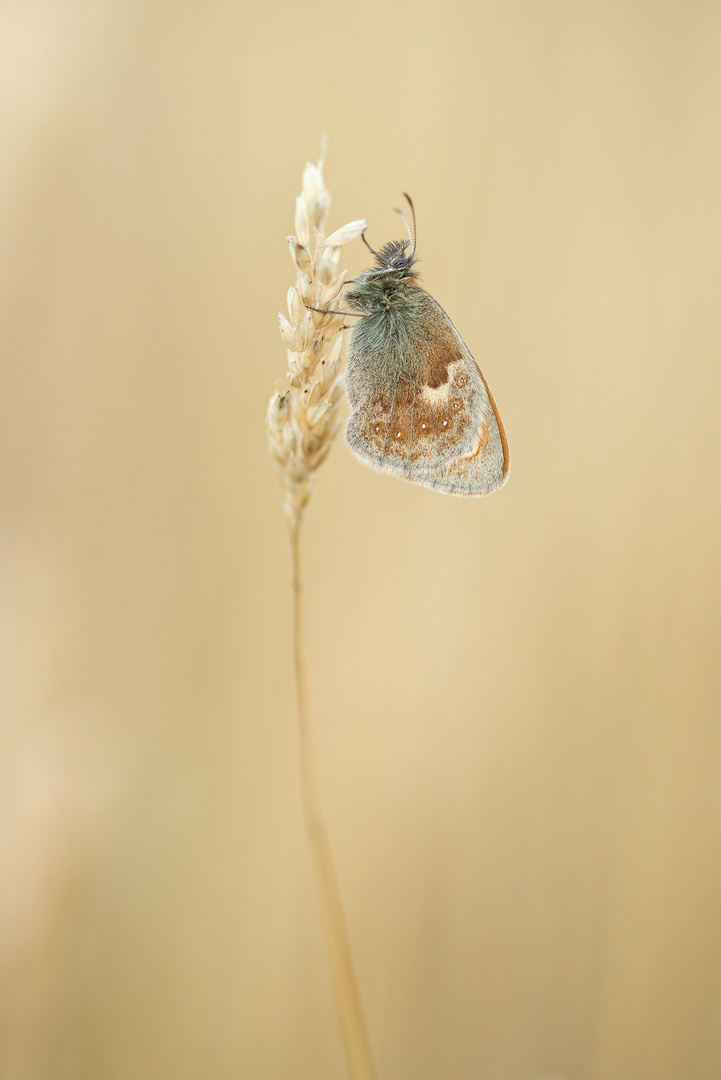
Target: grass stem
column 355, row 1038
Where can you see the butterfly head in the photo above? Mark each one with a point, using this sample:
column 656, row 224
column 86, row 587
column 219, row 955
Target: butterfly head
column 385, row 286
column 395, row 257
column 390, row 284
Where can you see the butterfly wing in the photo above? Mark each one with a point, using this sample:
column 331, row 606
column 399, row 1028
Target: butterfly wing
column 418, row 398
column 421, row 407
column 482, row 471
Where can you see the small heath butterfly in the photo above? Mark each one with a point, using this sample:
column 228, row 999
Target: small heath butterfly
column 421, row 408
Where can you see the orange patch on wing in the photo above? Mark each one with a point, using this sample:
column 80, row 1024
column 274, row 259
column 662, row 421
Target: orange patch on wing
column 439, row 349
column 424, row 419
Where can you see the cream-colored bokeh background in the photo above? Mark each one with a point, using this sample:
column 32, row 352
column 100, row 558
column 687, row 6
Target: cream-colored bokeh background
column 517, row 698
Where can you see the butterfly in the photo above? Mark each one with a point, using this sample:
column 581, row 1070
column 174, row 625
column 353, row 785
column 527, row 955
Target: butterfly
column 421, row 408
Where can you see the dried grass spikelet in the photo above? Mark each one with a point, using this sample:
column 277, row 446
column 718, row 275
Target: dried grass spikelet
column 302, row 422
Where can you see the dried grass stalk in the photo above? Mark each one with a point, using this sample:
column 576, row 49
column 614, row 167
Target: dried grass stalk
column 301, row 425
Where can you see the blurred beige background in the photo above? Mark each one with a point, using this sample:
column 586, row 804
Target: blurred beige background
column 517, row 699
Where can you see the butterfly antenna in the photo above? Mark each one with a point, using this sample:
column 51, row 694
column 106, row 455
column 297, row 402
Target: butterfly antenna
column 412, row 235
column 363, row 238
column 404, row 219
